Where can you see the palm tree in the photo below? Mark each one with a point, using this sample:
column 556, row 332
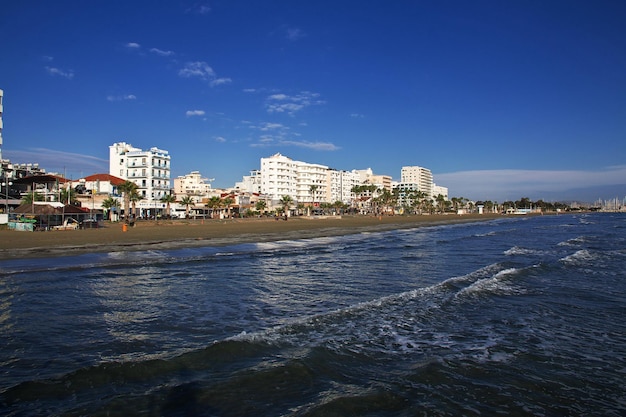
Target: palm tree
column 168, row 199
column 134, row 198
column 356, row 192
column 312, row 190
column 127, row 188
column 441, row 200
column 110, row 203
column 31, row 197
column 227, row 202
column 286, row 201
column 213, row 203
column 67, row 195
column 260, row 206
column 188, row 202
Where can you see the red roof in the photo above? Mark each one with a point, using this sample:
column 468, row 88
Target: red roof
column 105, row 177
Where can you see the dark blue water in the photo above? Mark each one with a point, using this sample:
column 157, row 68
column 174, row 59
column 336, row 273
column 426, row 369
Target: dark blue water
column 517, row 316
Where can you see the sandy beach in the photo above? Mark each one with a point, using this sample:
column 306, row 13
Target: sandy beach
column 154, row 235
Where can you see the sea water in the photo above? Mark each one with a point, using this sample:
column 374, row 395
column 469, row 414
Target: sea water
column 517, row 316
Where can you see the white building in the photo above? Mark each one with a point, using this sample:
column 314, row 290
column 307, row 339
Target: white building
column 340, row 184
column 150, row 170
column 192, row 185
column 278, row 178
column 420, row 176
column 437, row 189
column 304, row 182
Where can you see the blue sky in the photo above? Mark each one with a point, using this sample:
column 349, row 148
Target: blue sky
column 500, row 99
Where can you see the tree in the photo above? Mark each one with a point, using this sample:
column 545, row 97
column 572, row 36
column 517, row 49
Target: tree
column 260, row 206
column 312, row 190
column 127, row 188
column 441, row 202
column 68, row 196
column 31, row 197
column 168, row 199
column 286, row 201
column 134, row 198
column 188, row 202
column 213, row 203
column 227, row 202
column 110, row 203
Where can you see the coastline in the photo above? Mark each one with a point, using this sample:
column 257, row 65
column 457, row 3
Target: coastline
column 175, row 234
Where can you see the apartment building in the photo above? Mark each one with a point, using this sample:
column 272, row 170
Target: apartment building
column 150, row 170
column 304, row 182
column 422, row 177
column 193, row 185
column 278, row 177
column 340, row 185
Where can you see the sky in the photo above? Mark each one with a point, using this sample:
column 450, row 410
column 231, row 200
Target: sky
column 499, row 99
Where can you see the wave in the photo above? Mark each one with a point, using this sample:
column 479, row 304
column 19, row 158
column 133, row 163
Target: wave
column 580, row 258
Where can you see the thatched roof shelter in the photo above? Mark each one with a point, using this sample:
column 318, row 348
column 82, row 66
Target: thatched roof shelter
column 48, row 209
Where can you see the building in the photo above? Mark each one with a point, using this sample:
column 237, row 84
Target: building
column 420, row 176
column 149, row 170
column 192, row 185
column 278, row 178
column 439, row 190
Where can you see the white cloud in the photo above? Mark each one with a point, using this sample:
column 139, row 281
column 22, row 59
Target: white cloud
column 269, row 140
column 197, row 69
column 318, row 146
column 191, row 113
column 249, row 90
column 294, row 34
column 500, row 185
column 357, row 116
column 199, row 9
column 69, row 74
column 132, row 45
column 122, row 97
column 220, row 139
column 220, row 81
column 271, row 126
column 283, row 103
column 160, row 52
column 203, row 71
column 58, row 161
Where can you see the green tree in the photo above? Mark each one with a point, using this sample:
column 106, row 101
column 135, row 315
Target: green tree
column 286, row 201
column 188, row 202
column 31, row 197
column 127, row 188
column 68, row 196
column 441, row 202
column 228, row 202
column 110, row 203
column 213, row 203
column 260, row 206
column 168, row 199
column 312, row 190
column 134, row 198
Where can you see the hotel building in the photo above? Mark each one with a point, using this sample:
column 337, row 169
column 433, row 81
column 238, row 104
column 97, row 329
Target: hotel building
column 150, row 170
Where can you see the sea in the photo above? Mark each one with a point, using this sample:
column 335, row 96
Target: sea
column 520, row 315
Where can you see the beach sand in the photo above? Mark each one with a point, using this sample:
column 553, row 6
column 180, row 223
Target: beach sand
column 172, row 234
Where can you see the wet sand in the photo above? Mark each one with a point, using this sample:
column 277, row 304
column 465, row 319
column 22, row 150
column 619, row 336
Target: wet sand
column 155, row 235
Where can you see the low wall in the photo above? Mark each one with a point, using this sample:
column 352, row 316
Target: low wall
column 22, row 227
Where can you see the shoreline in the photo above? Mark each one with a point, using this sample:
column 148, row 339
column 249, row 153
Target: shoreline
column 178, row 234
